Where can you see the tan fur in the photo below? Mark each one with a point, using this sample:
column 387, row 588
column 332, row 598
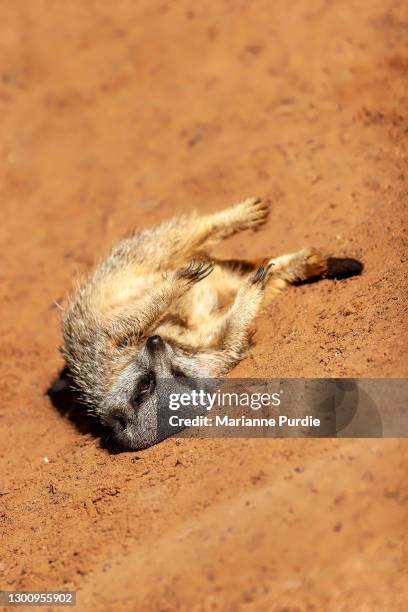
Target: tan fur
column 144, row 288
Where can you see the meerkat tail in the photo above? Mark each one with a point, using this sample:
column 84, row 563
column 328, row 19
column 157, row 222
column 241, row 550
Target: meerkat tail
column 343, row 267
column 310, row 263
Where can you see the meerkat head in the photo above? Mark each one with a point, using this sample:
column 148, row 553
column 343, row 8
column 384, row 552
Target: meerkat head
column 131, row 406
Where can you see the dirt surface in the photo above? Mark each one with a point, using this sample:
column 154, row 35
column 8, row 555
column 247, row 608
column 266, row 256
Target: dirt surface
column 116, row 115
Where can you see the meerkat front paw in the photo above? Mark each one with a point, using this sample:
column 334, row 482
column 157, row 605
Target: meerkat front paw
column 253, row 212
column 196, row 271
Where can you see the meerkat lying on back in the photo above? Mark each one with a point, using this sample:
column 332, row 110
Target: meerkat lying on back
column 158, row 307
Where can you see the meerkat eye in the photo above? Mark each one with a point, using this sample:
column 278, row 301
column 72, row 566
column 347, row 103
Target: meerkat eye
column 145, row 384
column 121, row 421
column 178, row 373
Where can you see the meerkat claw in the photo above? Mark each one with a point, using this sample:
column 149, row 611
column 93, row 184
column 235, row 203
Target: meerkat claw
column 190, row 267
column 262, row 274
column 195, row 273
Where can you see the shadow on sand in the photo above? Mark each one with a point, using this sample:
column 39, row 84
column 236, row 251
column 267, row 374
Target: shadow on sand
column 66, row 400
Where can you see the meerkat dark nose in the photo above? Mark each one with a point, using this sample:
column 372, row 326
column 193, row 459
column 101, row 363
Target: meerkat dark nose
column 154, row 342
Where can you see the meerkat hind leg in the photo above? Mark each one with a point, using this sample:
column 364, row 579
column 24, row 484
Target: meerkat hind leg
column 292, row 267
column 299, row 266
column 309, row 263
column 200, row 233
column 175, row 242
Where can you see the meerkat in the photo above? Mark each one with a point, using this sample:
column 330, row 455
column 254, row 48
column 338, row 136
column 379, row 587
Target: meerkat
column 160, row 307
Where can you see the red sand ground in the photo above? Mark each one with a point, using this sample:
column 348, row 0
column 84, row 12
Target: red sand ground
column 115, row 115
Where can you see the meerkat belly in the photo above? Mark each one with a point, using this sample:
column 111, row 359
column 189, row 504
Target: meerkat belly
column 209, row 299
column 203, row 303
